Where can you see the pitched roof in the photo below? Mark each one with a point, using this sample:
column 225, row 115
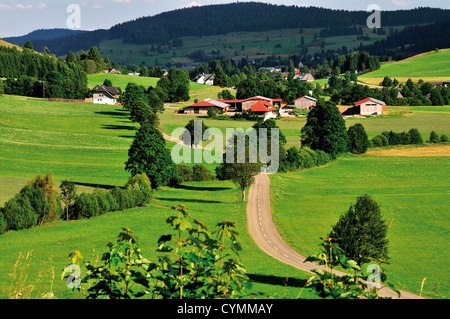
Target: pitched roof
column 369, row 99
column 306, row 97
column 210, row 103
column 262, row 106
column 258, row 98
column 111, row 90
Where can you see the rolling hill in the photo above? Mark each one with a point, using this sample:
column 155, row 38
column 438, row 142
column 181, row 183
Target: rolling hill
column 431, row 66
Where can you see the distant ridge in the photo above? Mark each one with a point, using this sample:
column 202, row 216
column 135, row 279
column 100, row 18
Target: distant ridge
column 43, row 34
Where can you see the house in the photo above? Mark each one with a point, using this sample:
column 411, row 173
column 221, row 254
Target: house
column 246, row 104
column 371, row 106
column 134, row 74
column 202, row 107
column 207, row 79
column 305, row 103
column 264, row 109
column 443, row 84
column 112, row 71
column 306, row 77
column 106, row 95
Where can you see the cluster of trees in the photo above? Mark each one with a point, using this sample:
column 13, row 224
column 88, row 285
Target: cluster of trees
column 37, row 203
column 412, row 137
column 137, row 192
column 29, row 73
column 196, row 173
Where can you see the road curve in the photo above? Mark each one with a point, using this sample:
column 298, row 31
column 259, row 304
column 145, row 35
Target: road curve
column 263, row 231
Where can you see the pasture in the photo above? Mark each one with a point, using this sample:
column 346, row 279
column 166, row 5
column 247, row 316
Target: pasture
column 88, row 143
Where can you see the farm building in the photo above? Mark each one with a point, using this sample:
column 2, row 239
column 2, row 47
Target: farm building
column 105, row 95
column 264, row 109
column 245, row 104
column 202, row 107
column 305, row 103
column 306, row 77
column 371, row 106
column 207, row 79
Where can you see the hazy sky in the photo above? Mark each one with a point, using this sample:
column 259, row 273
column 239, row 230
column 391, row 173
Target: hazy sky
column 19, row 17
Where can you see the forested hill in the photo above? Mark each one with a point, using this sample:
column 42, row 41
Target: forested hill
column 44, row 34
column 236, row 17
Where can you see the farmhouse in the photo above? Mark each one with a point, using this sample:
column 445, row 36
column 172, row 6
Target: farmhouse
column 371, row 106
column 305, row 103
column 306, row 77
column 112, row 71
column 106, row 95
column 207, row 79
column 202, row 107
column 264, row 109
column 246, row 104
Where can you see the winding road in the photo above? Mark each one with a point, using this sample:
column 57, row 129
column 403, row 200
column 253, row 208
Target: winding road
column 264, row 233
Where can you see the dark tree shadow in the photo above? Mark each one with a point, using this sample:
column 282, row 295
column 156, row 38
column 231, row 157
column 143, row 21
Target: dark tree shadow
column 95, row 185
column 277, row 280
column 189, row 200
column 120, row 127
column 116, row 113
column 200, row 188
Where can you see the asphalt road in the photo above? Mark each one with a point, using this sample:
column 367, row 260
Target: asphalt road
column 264, row 233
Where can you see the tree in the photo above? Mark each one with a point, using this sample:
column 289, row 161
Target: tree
column 28, row 45
column 192, row 135
column 361, row 232
column 243, row 169
column 415, row 137
column 68, row 194
column 220, row 78
column 325, row 129
column 358, row 139
column 142, row 113
column 434, row 137
column 148, row 154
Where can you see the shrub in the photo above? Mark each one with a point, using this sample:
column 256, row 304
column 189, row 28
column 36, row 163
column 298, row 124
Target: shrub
column 19, row 214
column 201, row 173
column 292, row 158
column 444, row 138
column 415, row 136
column 377, row 142
column 3, row 224
column 434, row 138
column 323, row 158
column 306, row 161
column 142, row 184
column 120, row 197
column 358, row 140
column 85, row 206
column 405, row 138
column 102, row 202
column 313, row 155
column 185, row 172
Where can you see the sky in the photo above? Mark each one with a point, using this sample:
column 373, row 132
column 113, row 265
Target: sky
column 19, row 17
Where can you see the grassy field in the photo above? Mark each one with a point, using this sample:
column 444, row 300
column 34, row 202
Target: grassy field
column 197, row 91
column 413, row 191
column 430, row 66
column 89, row 142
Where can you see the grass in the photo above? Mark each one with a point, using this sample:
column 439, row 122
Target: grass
column 413, row 191
column 88, row 143
column 430, row 66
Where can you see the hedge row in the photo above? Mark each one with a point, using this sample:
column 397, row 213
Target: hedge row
column 136, row 193
column 305, row 158
column 35, row 204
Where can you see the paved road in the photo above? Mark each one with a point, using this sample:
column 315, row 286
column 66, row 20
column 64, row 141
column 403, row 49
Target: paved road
column 264, row 233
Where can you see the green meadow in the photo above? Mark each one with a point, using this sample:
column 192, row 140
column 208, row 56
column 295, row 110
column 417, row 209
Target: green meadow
column 413, row 193
column 88, row 143
column 431, row 66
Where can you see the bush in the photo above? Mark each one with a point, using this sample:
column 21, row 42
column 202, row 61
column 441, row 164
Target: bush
column 405, row 138
column 323, row 158
column 292, row 158
column 140, row 183
column 19, row 214
column 358, row 140
column 415, row 136
column 434, row 138
column 376, row 141
column 3, row 225
column 85, row 206
column 201, row 173
column 306, row 161
column 185, row 172
column 313, row 155
column 103, row 203
column 120, row 197
column 444, row 138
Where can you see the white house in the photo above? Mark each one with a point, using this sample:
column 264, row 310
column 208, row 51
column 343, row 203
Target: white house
column 106, row 95
column 371, row 106
column 207, row 79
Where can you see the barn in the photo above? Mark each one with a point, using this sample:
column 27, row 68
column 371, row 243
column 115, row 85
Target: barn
column 371, row 106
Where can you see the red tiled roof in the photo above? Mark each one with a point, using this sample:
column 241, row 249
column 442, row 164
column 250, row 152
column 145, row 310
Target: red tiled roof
column 262, row 107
